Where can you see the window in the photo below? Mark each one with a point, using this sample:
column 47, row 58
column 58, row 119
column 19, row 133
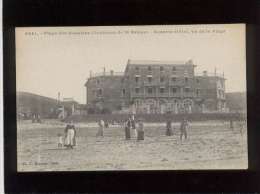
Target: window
column 150, row 90
column 186, row 80
column 137, row 68
column 136, row 79
column 123, row 92
column 173, row 68
column 174, row 90
column 137, row 90
column 99, row 92
column 149, row 79
column 161, row 90
column 149, row 68
column 197, row 92
column 161, row 79
column 173, row 79
column 186, row 89
column 221, row 94
column 161, row 68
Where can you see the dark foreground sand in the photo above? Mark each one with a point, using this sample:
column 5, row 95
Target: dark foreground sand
column 210, row 145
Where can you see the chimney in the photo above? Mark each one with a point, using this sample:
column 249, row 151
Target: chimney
column 205, row 73
column 111, row 72
column 104, row 71
column 190, row 62
column 59, row 97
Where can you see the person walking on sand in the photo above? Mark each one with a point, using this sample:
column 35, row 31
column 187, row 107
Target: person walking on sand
column 70, row 135
column 183, row 128
column 169, row 127
column 140, row 130
column 127, row 129
column 101, row 125
column 231, row 124
column 133, row 126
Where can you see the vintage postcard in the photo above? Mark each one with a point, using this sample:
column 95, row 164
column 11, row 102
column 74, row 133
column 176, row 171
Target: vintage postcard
column 109, row 98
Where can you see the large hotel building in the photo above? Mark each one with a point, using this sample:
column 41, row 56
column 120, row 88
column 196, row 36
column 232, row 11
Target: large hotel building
column 157, row 87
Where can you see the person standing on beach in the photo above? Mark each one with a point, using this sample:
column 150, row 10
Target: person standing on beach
column 183, row 128
column 133, row 126
column 231, row 124
column 169, row 127
column 140, row 130
column 127, row 129
column 101, row 125
column 70, row 135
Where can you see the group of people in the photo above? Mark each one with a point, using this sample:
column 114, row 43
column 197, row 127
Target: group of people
column 133, row 129
column 183, row 128
column 137, row 129
column 68, row 140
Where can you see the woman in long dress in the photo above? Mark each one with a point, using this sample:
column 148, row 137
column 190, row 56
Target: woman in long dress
column 133, row 126
column 127, row 129
column 183, row 128
column 70, row 133
column 169, row 128
column 101, row 125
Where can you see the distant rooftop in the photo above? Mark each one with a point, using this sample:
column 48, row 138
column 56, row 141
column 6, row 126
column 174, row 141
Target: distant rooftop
column 158, row 62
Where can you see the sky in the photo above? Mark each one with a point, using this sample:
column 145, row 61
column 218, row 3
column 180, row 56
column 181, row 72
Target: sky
column 58, row 59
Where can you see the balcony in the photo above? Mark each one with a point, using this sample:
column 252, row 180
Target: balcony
column 162, row 95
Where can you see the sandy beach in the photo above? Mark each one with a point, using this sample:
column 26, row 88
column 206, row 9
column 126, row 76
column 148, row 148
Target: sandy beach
column 210, row 145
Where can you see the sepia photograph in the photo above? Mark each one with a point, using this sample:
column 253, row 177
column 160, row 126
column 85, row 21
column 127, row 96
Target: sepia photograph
column 123, row 98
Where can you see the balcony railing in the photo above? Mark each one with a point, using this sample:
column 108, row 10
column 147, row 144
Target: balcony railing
column 165, row 94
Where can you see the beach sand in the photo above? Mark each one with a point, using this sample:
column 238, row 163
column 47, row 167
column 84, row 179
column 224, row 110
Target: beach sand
column 210, row 145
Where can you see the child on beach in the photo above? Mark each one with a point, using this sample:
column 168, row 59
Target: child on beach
column 60, row 140
column 140, row 132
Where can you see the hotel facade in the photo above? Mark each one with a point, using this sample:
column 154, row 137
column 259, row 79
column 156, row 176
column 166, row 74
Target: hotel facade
column 157, row 87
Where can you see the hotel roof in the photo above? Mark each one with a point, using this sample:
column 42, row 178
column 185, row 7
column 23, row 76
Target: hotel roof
column 158, row 62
